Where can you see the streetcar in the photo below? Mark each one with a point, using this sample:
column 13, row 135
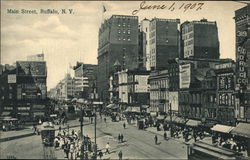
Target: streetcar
column 47, row 131
column 205, row 151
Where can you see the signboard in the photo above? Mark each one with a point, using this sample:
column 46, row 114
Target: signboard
column 29, row 68
column 11, row 78
column 142, row 85
column 185, row 75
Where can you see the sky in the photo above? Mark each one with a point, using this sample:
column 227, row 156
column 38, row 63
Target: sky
column 68, row 38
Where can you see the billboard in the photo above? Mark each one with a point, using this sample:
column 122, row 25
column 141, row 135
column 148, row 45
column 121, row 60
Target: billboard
column 185, row 75
column 29, row 68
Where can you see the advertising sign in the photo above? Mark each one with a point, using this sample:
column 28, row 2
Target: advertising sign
column 185, row 75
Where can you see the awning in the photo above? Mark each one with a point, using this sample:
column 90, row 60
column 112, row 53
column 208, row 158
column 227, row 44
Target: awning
column 110, row 106
column 242, row 129
column 193, row 123
column 81, row 100
column 5, row 113
column 97, row 102
column 222, row 128
column 133, row 109
column 74, row 100
column 160, row 117
column 24, row 113
column 38, row 113
column 179, row 120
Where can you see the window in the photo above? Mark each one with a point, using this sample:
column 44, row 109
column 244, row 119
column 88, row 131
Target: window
column 129, row 31
column 226, row 99
column 119, row 31
column 10, row 96
column 124, row 31
column 129, row 39
column 123, row 24
column 10, row 87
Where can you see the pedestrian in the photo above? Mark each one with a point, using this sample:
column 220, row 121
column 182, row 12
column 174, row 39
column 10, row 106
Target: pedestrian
column 107, row 148
column 120, row 155
column 119, row 137
column 124, row 125
column 100, row 154
column 156, row 139
column 60, row 128
column 91, row 120
column 122, row 138
column 165, row 135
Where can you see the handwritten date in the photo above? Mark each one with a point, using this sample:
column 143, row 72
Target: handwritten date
column 183, row 6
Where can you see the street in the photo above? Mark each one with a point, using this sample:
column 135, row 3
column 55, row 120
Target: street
column 138, row 144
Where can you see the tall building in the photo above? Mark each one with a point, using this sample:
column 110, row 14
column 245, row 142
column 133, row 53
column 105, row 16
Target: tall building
column 85, row 77
column 163, row 41
column 199, row 39
column 144, row 28
column 242, row 20
column 118, row 40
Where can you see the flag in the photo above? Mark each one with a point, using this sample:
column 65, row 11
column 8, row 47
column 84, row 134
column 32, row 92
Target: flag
column 104, row 9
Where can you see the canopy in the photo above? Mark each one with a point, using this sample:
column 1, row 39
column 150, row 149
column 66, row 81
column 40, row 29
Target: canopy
column 95, row 102
column 242, row 129
column 179, row 120
column 133, row 109
column 5, row 113
column 222, row 128
column 193, row 123
column 110, row 105
column 160, row 117
column 74, row 100
column 81, row 100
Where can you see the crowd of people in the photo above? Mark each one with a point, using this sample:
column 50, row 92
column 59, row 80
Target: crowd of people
column 73, row 144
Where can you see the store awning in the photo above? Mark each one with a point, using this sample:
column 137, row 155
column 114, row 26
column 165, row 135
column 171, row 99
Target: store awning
column 179, row 120
column 242, row 129
column 110, row 106
column 160, row 117
column 24, row 113
column 81, row 100
column 193, row 123
column 5, row 113
column 97, row 102
column 222, row 128
column 74, row 100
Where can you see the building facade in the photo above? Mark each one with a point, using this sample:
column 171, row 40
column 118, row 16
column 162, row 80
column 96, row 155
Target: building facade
column 144, row 28
column 24, row 90
column 159, row 93
column 199, row 39
column 118, row 40
column 163, row 41
column 84, row 80
column 198, row 89
column 242, row 20
column 226, row 108
column 133, row 87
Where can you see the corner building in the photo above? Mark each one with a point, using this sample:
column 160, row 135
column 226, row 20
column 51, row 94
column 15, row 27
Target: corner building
column 242, row 21
column 118, row 40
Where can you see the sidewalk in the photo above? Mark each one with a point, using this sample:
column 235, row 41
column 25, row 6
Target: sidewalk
column 11, row 135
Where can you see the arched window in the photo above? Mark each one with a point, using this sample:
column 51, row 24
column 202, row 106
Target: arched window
column 198, row 99
column 194, row 98
column 220, row 99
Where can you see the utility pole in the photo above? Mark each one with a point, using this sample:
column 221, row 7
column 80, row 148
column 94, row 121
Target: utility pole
column 171, row 126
